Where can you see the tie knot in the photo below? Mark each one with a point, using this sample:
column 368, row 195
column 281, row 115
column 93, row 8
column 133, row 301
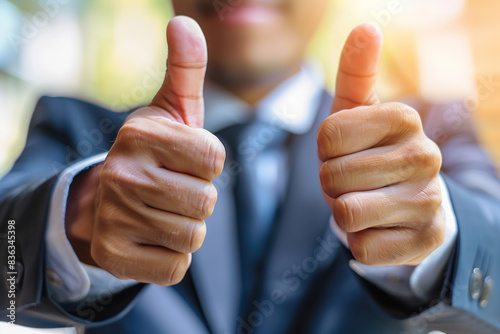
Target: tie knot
column 252, row 138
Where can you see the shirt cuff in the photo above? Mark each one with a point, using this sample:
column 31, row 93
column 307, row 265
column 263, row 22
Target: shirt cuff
column 410, row 282
column 68, row 279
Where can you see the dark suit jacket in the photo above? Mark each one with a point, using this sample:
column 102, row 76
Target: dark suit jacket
column 306, row 285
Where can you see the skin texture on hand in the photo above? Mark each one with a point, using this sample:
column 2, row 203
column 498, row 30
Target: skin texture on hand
column 153, row 191
column 379, row 172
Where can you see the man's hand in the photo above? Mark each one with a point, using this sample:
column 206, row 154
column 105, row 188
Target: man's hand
column 379, row 171
column 154, row 189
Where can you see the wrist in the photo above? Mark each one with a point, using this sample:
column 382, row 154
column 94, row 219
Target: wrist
column 80, row 212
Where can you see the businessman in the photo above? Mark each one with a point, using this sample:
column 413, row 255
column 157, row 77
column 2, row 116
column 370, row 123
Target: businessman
column 290, row 212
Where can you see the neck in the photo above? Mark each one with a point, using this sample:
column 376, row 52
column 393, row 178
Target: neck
column 252, row 90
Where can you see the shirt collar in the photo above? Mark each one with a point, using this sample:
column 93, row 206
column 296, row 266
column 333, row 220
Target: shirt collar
column 291, row 106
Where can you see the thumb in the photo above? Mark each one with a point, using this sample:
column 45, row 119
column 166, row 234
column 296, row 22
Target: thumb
column 181, row 94
column 358, row 69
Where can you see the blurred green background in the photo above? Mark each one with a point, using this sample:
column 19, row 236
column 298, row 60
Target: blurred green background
column 103, row 51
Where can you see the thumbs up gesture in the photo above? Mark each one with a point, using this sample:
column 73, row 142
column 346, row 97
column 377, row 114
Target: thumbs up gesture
column 379, row 171
column 154, row 189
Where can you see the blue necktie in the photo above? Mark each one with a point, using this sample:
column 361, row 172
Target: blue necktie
column 259, row 149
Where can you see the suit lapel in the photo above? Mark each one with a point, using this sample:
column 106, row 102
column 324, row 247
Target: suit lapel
column 216, row 268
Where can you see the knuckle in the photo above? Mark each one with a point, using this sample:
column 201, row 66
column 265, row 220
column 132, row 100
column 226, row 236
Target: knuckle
column 207, row 198
column 334, row 177
column 411, row 156
column 329, row 137
column 424, row 155
column 114, row 173
column 196, row 236
column 427, row 203
column 407, row 118
column 431, row 157
column 427, row 158
column 131, row 131
column 138, row 134
column 348, row 213
column 327, row 179
column 176, row 270
column 359, row 250
column 214, row 155
column 430, row 196
column 106, row 253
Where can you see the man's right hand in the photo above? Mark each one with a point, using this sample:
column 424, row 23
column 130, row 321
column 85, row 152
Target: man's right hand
column 151, row 195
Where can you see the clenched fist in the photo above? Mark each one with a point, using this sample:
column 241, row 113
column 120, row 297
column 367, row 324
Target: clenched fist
column 379, row 171
column 154, row 189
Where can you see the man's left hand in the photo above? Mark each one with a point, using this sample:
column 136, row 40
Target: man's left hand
column 379, row 172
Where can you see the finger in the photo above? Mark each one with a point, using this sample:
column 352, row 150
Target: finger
column 147, row 264
column 169, row 230
column 350, row 131
column 130, row 219
column 397, row 245
column 191, row 151
column 173, row 146
column 412, row 205
column 182, row 91
column 160, row 190
column 377, row 167
column 358, row 68
column 366, row 170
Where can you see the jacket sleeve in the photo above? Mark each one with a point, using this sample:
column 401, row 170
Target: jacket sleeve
column 62, row 132
column 469, row 292
column 467, row 301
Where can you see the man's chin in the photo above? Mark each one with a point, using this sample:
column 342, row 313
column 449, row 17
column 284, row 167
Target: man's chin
column 245, row 75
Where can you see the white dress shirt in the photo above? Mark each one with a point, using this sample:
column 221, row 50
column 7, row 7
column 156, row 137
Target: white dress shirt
column 292, row 106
